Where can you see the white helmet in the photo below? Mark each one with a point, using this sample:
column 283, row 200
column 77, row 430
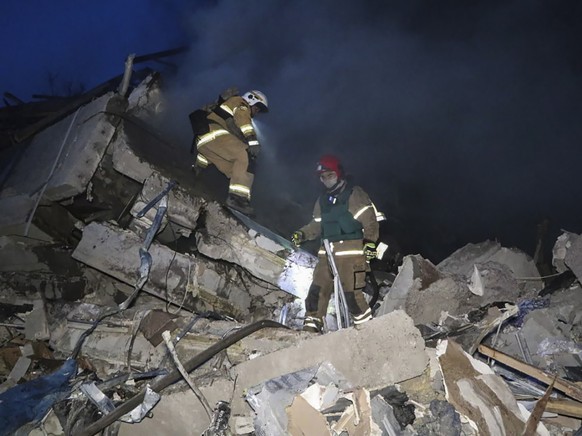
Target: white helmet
column 257, row 97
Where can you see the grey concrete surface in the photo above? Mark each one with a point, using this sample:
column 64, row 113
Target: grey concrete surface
column 381, row 352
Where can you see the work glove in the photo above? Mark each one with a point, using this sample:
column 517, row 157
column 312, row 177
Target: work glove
column 297, row 238
column 254, row 151
column 370, row 251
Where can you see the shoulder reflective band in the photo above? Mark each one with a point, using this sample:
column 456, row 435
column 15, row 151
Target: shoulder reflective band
column 210, row 136
column 226, row 109
column 362, row 210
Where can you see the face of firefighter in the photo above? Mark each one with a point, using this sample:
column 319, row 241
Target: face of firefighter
column 329, row 179
column 255, row 110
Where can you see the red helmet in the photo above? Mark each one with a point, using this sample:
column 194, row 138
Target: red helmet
column 329, row 162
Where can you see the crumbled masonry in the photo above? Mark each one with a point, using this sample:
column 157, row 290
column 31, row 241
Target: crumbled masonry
column 114, row 242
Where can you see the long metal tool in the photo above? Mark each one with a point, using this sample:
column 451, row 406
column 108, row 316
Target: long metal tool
column 341, row 306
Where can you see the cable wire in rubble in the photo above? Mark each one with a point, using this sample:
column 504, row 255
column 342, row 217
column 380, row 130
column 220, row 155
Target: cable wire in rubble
column 175, row 375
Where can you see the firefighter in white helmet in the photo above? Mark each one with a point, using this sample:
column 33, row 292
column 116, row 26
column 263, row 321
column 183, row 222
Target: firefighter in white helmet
column 228, row 140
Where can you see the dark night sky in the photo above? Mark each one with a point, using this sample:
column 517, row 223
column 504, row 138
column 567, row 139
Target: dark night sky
column 461, row 119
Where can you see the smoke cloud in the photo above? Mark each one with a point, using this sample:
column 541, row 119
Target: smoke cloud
column 461, row 120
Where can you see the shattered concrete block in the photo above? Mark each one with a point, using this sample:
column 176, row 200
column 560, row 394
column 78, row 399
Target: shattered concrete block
column 127, row 162
column 415, row 273
column 443, row 419
column 226, row 237
column 560, row 250
column 445, row 296
column 462, row 262
column 430, row 294
column 183, row 208
column 495, row 281
column 72, row 147
column 146, row 99
column 181, row 413
column 36, row 325
column 185, row 280
column 272, row 399
column 383, row 351
column 573, row 259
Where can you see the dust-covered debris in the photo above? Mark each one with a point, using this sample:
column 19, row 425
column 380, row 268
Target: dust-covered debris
column 114, row 242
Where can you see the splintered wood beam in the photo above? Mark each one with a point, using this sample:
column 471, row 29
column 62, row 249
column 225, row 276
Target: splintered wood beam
column 531, row 426
column 568, row 388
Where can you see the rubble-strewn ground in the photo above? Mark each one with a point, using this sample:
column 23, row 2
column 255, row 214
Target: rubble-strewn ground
column 113, row 243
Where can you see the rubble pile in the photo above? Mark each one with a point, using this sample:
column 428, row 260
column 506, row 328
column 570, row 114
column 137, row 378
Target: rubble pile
column 132, row 302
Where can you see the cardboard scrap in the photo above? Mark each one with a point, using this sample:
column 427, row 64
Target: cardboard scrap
column 479, row 394
column 304, row 420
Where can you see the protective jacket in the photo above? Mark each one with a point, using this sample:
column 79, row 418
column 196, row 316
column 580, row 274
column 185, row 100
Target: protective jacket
column 232, row 117
column 348, row 215
column 230, row 133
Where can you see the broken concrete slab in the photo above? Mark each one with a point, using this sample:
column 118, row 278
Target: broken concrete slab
column 414, row 273
column 383, row 351
column 183, row 208
column 127, row 162
column 522, row 266
column 72, row 148
column 185, row 280
column 108, row 347
column 225, row 237
column 560, row 250
column 146, row 99
column 180, row 412
column 573, row 259
column 446, row 296
column 429, row 295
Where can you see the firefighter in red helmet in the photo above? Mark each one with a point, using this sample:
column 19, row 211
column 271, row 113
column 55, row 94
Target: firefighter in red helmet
column 346, row 217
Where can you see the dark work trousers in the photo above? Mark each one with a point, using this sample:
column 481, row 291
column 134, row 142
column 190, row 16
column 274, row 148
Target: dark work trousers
column 352, row 271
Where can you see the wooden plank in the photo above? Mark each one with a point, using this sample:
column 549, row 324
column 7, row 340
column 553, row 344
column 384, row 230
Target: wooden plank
column 565, row 407
column 568, row 388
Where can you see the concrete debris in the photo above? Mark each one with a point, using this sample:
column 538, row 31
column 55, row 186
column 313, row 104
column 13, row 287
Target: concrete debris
column 472, row 277
column 480, row 395
column 521, row 266
column 573, row 255
column 394, row 351
column 113, row 244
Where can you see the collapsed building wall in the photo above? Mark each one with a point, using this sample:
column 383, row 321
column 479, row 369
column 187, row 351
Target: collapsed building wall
column 209, row 262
